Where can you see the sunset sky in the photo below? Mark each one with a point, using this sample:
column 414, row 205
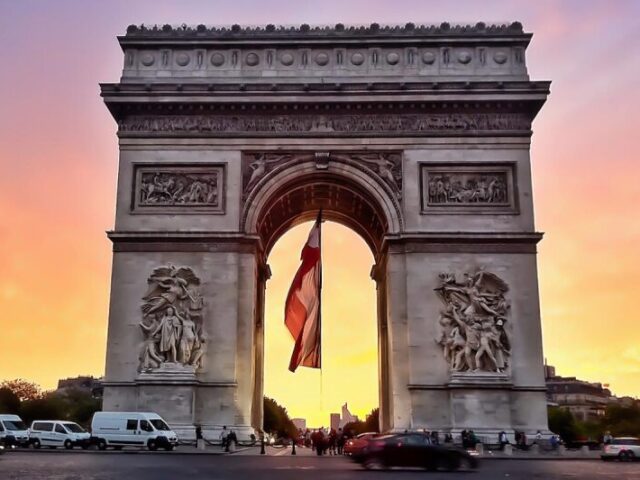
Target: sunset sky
column 58, row 165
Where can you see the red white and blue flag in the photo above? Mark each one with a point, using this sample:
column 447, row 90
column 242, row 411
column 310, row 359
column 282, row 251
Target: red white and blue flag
column 302, row 308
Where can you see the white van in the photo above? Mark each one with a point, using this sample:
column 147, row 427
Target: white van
column 58, row 433
column 13, row 431
column 122, row 429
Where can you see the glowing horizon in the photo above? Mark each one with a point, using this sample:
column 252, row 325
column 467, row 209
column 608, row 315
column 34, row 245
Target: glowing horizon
column 59, row 157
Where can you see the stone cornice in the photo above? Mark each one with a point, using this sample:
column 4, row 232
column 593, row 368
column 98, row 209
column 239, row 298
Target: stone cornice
column 306, row 31
column 463, row 242
column 195, row 241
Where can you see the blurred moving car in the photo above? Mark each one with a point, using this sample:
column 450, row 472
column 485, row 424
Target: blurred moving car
column 625, row 449
column 13, row 431
column 412, row 450
column 58, row 433
column 354, row 446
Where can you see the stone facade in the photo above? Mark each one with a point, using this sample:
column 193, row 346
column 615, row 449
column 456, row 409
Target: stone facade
column 417, row 137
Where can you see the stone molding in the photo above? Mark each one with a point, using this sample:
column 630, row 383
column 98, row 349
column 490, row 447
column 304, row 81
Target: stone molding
column 468, row 188
column 458, row 50
column 161, row 241
column 333, row 32
column 300, row 125
column 463, row 242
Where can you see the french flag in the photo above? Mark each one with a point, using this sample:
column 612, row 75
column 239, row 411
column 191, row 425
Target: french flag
column 302, row 308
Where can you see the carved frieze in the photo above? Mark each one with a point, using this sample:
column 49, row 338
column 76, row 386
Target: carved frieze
column 184, row 188
column 172, row 323
column 473, row 324
column 464, row 188
column 324, row 124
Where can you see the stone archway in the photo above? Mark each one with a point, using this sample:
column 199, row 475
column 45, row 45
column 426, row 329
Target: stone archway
column 416, row 137
column 296, row 186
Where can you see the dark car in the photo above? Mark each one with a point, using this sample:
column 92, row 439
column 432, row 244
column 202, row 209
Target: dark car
column 412, row 450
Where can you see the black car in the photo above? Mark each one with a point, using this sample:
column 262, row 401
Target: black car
column 412, row 450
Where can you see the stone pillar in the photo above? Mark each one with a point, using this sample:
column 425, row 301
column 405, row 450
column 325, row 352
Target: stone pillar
column 398, row 355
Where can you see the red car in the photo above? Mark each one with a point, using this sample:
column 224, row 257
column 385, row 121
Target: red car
column 356, row 445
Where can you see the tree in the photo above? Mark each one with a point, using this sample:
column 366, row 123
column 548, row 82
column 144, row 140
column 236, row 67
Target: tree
column 372, row 422
column 561, row 421
column 277, row 421
column 9, row 401
column 23, row 389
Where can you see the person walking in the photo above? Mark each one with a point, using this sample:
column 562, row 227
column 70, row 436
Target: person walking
column 223, row 438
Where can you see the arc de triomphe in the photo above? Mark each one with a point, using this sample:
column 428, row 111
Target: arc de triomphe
column 416, row 137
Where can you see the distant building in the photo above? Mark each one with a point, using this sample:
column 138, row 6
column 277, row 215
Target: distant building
column 585, row 400
column 334, row 421
column 86, row 384
column 347, row 416
column 300, row 423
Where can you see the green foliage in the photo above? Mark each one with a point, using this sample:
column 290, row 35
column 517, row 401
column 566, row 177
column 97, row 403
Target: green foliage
column 561, row 421
column 27, row 400
column 9, row 401
column 619, row 420
column 23, row 389
column 277, row 421
column 371, row 424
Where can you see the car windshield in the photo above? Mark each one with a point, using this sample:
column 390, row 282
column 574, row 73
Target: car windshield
column 14, row 425
column 159, row 424
column 626, row 441
column 74, row 428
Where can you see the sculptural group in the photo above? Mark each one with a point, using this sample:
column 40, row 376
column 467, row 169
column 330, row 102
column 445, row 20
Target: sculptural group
column 172, row 320
column 472, row 326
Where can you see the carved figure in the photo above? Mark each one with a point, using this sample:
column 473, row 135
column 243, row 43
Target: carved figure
column 172, row 320
column 259, row 168
column 384, row 168
column 472, row 325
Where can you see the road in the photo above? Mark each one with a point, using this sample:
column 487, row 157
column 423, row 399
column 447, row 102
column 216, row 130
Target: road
column 175, row 466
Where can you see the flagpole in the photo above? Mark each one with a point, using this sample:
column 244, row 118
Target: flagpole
column 319, row 220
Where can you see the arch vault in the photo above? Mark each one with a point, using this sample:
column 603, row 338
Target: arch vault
column 416, row 137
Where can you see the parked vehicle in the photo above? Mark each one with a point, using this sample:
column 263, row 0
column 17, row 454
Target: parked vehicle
column 625, row 449
column 355, row 446
column 412, row 450
column 58, row 433
column 13, row 431
column 140, row 429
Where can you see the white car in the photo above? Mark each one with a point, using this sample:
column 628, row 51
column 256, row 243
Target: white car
column 13, row 431
column 137, row 429
column 623, row 448
column 58, row 433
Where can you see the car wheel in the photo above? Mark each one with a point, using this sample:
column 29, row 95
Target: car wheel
column 153, row 446
column 467, row 463
column 36, row 443
column 68, row 445
column 449, row 464
column 373, row 463
column 102, row 445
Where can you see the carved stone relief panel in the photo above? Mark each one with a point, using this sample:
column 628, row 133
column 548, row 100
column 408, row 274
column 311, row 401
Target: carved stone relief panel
column 470, row 188
column 174, row 341
column 473, row 324
column 180, row 188
column 325, row 124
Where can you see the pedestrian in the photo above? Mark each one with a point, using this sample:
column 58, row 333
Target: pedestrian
column 341, row 441
column 223, row 438
column 538, row 439
column 503, row 440
column 464, row 435
column 554, row 442
column 448, row 438
column 232, row 440
column 435, row 438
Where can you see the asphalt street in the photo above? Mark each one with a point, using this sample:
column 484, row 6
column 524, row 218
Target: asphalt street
column 158, row 466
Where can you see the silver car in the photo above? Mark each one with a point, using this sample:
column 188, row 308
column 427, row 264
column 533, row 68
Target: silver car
column 625, row 449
